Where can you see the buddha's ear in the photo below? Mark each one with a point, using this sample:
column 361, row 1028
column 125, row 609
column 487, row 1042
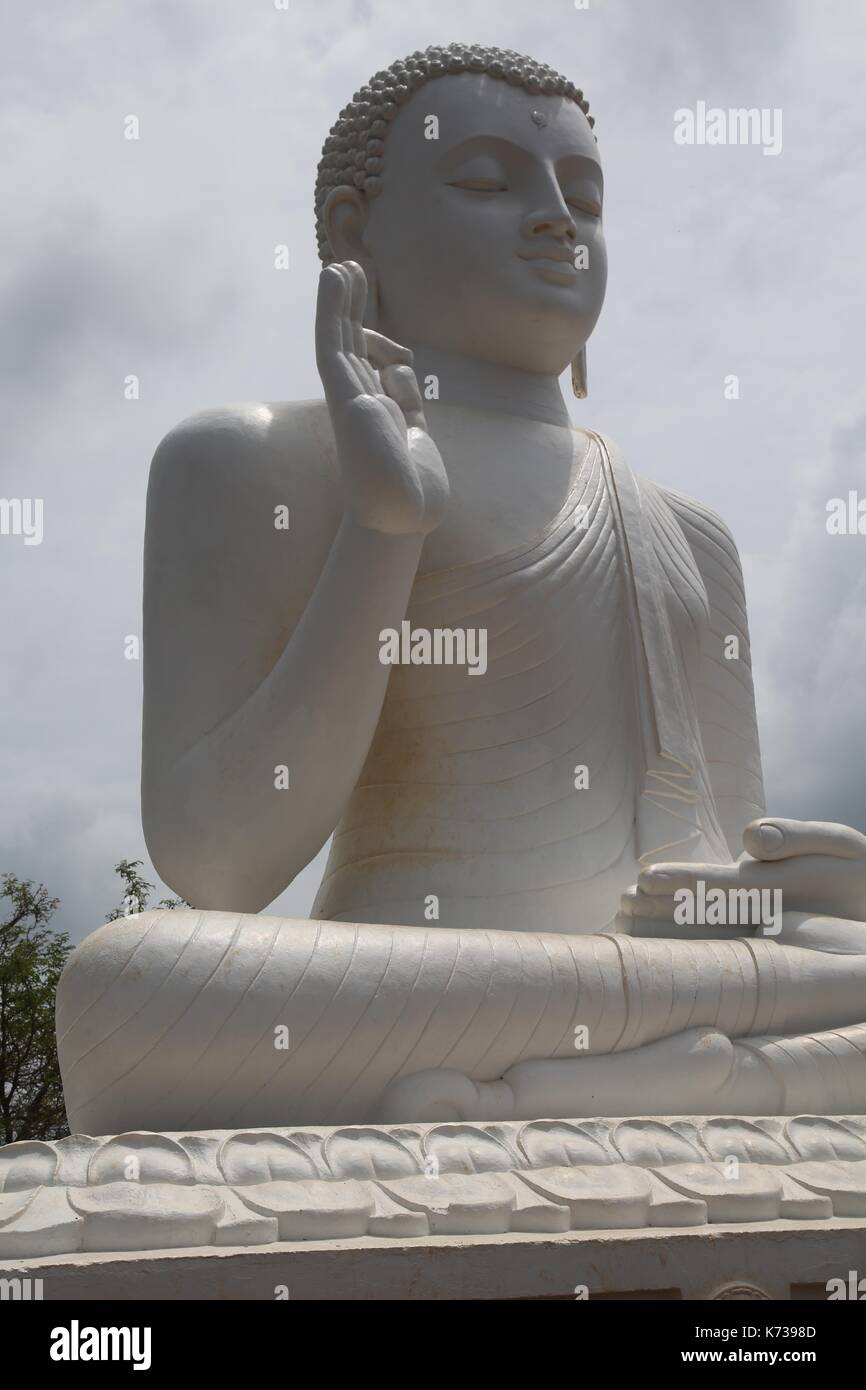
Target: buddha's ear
column 345, row 218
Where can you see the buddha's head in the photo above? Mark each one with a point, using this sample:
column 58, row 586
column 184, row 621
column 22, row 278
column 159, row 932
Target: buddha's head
column 467, row 183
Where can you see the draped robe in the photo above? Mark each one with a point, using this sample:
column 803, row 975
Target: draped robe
column 606, row 651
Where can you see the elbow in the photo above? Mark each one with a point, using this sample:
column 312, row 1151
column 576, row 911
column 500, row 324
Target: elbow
column 204, row 873
column 213, row 866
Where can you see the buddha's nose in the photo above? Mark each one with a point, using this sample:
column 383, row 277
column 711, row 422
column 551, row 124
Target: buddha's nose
column 554, row 220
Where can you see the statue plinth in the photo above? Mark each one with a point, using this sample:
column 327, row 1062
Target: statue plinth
column 330, row 1197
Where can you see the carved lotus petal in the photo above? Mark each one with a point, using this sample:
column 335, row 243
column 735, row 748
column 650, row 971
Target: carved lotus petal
column 843, row 1181
column 649, row 1143
column 260, row 1156
column 154, row 1216
column 27, row 1164
column 616, row 1198
column 755, row 1194
column 74, row 1152
column 817, row 1138
column 12, row 1204
column 140, row 1157
column 740, row 1139
column 313, row 1210
column 44, row 1225
column 458, row 1203
column 466, row 1149
column 368, row 1153
column 554, row 1144
column 311, row 1143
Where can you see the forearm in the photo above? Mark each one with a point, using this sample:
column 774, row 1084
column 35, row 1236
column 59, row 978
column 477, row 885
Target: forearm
column 223, row 828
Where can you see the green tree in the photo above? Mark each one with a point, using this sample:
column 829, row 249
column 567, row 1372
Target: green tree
column 32, row 956
column 137, row 891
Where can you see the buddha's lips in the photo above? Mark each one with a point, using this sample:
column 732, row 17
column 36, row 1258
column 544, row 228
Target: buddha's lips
column 551, row 253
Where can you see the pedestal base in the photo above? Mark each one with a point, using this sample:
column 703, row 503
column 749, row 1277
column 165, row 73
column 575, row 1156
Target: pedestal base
column 778, row 1260
column 679, row 1207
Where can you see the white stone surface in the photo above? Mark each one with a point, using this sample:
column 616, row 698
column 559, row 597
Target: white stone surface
column 775, row 1260
column 175, row 1020
column 138, row 1192
column 495, row 937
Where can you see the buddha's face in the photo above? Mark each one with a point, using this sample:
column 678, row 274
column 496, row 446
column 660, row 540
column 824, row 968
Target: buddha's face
column 475, row 242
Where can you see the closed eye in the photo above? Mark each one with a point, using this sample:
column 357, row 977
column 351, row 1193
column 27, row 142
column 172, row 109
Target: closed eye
column 480, row 185
column 585, row 205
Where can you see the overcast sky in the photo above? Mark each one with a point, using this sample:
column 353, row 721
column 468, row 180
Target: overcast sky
column 155, row 258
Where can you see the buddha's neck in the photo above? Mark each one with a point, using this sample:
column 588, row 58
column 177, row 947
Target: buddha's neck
column 476, row 385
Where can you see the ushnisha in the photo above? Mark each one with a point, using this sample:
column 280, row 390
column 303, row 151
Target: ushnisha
column 493, row 936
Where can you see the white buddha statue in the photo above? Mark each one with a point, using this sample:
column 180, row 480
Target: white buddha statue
column 497, row 933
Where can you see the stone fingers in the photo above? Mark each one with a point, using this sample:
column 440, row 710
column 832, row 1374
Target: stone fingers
column 636, row 903
column 783, row 839
column 334, row 342
column 383, row 352
column 401, row 385
column 354, row 328
column 805, row 883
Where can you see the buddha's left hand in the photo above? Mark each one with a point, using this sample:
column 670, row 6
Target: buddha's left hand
column 819, row 869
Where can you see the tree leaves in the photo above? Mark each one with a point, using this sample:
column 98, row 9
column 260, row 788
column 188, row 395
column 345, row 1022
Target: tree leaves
column 32, row 957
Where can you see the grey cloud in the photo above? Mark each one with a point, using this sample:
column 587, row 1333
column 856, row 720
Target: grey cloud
column 811, row 613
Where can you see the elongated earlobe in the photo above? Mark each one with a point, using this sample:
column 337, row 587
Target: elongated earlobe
column 344, row 218
column 578, row 375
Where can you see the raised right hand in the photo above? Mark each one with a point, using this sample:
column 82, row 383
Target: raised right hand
column 394, row 479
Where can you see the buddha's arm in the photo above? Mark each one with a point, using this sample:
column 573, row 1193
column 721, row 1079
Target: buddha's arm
column 260, row 705
column 223, row 828
column 725, row 691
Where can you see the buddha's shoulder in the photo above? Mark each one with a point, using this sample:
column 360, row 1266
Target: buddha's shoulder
column 251, row 448
column 702, row 526
column 709, row 540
